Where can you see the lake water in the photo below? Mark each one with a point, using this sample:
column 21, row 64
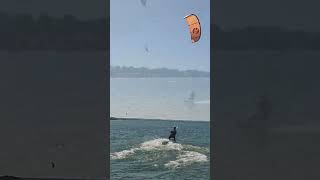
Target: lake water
column 160, row 98
column 137, row 152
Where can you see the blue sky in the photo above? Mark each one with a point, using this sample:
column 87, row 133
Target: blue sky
column 162, row 28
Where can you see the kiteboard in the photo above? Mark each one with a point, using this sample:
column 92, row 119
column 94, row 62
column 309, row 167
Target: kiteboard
column 165, row 142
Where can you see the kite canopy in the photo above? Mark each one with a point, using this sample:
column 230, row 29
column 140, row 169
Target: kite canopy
column 194, row 27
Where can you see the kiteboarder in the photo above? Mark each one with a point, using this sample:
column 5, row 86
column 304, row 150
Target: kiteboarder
column 53, row 165
column 173, row 134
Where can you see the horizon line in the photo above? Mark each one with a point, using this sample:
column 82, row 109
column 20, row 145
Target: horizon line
column 137, row 67
column 152, row 119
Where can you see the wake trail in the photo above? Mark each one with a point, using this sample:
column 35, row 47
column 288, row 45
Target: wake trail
column 185, row 154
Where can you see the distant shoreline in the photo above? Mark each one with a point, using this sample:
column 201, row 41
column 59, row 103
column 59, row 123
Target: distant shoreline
column 144, row 119
column 143, row 72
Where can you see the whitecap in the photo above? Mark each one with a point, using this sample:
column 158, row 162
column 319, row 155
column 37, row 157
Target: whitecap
column 187, row 158
column 123, row 154
column 186, row 154
column 203, row 102
column 157, row 144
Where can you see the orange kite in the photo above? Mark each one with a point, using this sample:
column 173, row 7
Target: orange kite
column 194, row 27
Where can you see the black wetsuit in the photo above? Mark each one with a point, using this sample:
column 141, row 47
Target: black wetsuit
column 173, row 135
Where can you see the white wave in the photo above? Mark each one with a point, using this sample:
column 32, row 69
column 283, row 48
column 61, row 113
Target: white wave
column 187, row 158
column 156, row 144
column 196, row 148
column 203, row 102
column 152, row 145
column 123, row 154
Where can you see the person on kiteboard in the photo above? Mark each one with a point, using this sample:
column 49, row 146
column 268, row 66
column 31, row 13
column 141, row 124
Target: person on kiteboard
column 173, row 134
